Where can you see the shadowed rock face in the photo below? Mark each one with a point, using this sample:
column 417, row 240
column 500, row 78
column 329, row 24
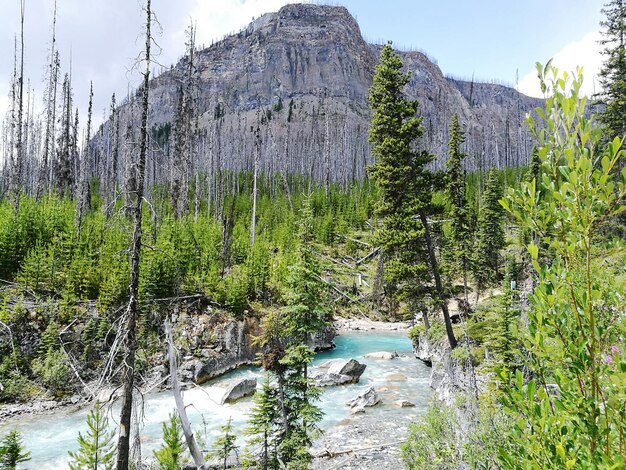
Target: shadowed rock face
column 304, row 74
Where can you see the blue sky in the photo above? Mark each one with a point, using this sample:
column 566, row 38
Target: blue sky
column 488, row 38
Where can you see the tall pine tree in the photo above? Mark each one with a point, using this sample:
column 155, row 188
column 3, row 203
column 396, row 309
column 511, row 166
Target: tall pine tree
column 406, row 186
column 461, row 231
column 490, row 237
column 613, row 72
column 96, row 449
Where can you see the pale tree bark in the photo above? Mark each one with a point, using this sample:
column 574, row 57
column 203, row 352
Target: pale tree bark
column 257, row 155
column 83, row 190
column 19, row 157
column 132, row 312
column 194, row 449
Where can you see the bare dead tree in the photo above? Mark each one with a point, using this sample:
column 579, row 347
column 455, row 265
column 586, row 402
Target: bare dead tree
column 128, row 378
column 194, row 449
column 257, row 157
column 17, row 177
column 83, row 191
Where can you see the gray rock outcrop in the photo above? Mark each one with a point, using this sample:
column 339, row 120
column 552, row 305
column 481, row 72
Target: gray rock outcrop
column 339, row 372
column 306, row 70
column 238, row 389
column 382, row 355
column 366, row 398
column 349, row 367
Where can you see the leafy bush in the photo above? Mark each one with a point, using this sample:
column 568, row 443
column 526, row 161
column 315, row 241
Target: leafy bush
column 54, row 371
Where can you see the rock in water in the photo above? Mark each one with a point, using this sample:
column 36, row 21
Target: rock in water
column 331, row 380
column 382, row 355
column 239, row 389
column 348, row 367
column 368, row 397
column 404, row 404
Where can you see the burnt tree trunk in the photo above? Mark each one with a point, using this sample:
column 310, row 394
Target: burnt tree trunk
column 123, row 445
column 443, row 303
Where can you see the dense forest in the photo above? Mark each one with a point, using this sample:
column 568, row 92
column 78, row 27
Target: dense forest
column 513, row 279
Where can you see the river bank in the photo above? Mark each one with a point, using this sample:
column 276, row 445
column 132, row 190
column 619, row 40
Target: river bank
column 402, row 378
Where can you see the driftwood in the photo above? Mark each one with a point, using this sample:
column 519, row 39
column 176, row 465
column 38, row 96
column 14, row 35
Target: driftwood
column 194, row 449
column 368, row 256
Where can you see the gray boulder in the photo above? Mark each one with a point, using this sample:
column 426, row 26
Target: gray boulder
column 382, row 355
column 367, row 397
column 348, row 367
column 331, row 380
column 240, row 388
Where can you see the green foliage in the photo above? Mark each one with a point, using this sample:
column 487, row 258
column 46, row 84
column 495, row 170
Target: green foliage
column 287, row 357
column 570, row 414
column 613, row 70
column 490, row 235
column 263, row 427
column 403, row 180
column 54, row 371
column 12, row 451
column 225, row 445
column 461, row 231
column 171, row 454
column 96, row 449
column 436, row 442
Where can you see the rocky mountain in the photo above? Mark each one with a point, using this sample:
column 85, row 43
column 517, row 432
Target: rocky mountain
column 301, row 76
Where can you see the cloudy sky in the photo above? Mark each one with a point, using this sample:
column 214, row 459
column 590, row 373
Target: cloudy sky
column 488, row 39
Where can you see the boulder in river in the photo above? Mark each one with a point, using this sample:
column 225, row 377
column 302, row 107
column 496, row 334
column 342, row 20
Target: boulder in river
column 381, row 355
column 404, row 404
column 367, row 397
column 238, row 389
column 331, row 380
column 349, row 367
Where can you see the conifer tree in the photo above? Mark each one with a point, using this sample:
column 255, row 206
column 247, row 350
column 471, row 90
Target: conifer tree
column 490, row 236
column 170, row 454
column 405, row 185
column 287, row 357
column 12, row 451
column 262, row 426
column 461, row 230
column 225, row 445
column 612, row 75
column 96, row 449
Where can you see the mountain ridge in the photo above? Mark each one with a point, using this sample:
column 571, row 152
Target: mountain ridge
column 302, row 75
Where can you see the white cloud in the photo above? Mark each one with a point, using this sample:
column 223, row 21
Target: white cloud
column 218, row 19
column 585, row 52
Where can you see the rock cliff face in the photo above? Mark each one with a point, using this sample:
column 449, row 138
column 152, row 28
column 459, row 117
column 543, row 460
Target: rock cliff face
column 448, row 376
column 212, row 344
column 302, row 75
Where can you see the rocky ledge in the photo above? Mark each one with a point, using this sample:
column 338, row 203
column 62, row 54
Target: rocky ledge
column 449, row 376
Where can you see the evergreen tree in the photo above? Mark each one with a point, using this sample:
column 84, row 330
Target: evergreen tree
column 12, row 451
column 490, row 237
column 306, row 312
column 612, row 75
column 405, row 184
column 461, row 230
column 96, row 449
column 225, row 444
column 170, row 454
column 262, row 426
column 287, row 357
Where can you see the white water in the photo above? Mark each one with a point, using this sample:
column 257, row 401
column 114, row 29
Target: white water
column 49, row 437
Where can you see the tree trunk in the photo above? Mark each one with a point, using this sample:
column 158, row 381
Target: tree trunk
column 257, row 156
column 20, row 115
column 123, row 445
column 435, row 269
column 195, row 451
